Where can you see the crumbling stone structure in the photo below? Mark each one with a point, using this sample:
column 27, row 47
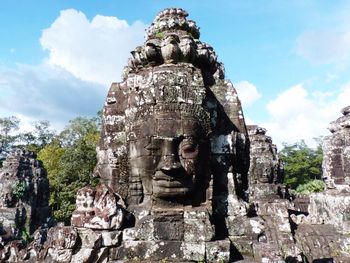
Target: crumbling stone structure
column 269, row 199
column 24, row 195
column 266, row 169
column 323, row 233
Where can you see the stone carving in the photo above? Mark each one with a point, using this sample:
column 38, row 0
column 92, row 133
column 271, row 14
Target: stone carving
column 265, row 166
column 172, row 38
column 173, row 132
column 266, row 169
column 98, row 208
column 168, row 117
column 59, row 244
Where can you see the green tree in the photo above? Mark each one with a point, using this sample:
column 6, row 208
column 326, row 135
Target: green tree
column 51, row 156
column 79, row 128
column 301, row 163
column 70, row 159
column 8, row 138
column 37, row 139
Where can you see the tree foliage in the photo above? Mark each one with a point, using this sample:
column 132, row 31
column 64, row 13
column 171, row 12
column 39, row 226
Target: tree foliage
column 34, row 140
column 301, row 163
column 38, row 138
column 8, row 127
column 70, row 159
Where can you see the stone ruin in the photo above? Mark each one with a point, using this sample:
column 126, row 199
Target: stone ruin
column 174, row 146
column 336, row 148
column 182, row 179
column 323, row 232
column 266, row 169
column 24, row 196
column 269, row 201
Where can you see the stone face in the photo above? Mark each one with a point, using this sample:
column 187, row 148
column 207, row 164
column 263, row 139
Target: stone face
column 266, row 169
column 168, row 116
column 173, row 130
column 336, row 149
column 321, row 232
column 266, row 195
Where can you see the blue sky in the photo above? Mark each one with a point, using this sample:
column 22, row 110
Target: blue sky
column 289, row 60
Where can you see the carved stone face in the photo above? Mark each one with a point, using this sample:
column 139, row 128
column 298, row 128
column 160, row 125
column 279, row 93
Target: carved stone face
column 169, row 159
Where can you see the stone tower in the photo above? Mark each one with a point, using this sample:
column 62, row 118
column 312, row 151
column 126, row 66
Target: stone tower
column 173, row 113
column 174, row 144
column 24, row 195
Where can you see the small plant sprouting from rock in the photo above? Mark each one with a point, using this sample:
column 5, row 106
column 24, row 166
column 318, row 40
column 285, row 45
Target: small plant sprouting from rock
column 19, row 190
column 160, row 35
column 25, row 236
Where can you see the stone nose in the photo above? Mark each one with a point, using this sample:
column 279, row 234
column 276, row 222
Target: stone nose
column 170, row 162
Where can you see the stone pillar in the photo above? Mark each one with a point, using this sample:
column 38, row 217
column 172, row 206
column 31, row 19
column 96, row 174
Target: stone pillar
column 336, row 150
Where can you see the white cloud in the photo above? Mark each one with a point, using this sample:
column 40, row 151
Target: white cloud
column 95, row 50
column 247, row 93
column 324, row 47
column 249, row 121
column 296, row 114
column 49, row 93
column 84, row 57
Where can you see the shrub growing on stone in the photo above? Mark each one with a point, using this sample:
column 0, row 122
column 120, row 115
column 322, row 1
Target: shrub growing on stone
column 311, row 187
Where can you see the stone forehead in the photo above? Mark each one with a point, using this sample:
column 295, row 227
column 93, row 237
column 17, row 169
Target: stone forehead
column 160, row 111
column 169, row 121
column 173, row 113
